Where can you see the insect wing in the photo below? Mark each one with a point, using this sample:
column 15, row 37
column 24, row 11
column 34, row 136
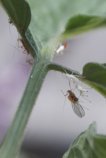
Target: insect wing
column 78, row 109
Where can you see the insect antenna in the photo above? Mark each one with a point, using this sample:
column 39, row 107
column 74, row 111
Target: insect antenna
column 67, row 78
column 65, row 95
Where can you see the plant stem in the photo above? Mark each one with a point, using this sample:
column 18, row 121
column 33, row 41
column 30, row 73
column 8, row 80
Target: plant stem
column 63, row 69
column 14, row 137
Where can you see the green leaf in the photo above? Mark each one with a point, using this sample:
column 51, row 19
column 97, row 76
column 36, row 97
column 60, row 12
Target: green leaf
column 82, row 23
column 20, row 16
column 95, row 75
column 19, row 13
column 88, row 145
column 54, row 20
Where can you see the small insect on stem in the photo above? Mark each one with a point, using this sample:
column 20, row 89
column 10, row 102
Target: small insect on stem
column 77, row 108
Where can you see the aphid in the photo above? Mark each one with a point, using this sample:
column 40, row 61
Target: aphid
column 77, row 108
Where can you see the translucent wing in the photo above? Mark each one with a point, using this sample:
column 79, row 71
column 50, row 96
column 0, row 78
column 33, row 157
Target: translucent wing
column 78, row 109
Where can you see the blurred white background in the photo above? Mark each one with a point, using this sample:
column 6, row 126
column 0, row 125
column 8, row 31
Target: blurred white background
column 53, row 122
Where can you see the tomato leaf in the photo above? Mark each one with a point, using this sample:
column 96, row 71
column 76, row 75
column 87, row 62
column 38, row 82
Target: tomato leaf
column 88, row 144
column 95, row 75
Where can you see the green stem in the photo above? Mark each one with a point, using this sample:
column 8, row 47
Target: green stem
column 14, row 137
column 63, row 69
